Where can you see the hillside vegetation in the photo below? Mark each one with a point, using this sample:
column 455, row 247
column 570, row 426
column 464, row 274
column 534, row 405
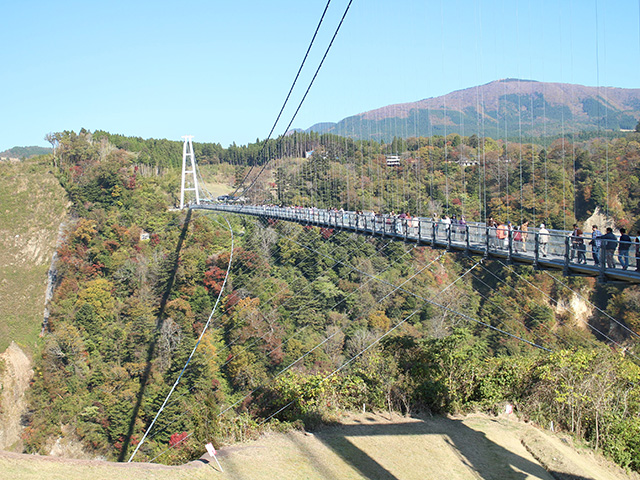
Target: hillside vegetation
column 24, row 152
column 310, row 321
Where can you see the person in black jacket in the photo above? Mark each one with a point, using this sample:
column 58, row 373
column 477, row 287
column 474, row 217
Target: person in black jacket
column 623, row 249
column 581, row 247
column 609, row 242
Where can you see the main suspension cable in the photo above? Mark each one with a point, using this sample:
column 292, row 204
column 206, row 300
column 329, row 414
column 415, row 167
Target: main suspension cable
column 306, row 93
column 295, row 80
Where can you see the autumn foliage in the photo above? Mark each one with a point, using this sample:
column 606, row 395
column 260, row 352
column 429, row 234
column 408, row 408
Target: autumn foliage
column 302, row 302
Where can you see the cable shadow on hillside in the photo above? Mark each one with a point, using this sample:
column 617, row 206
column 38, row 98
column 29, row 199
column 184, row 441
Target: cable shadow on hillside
column 152, row 345
column 477, row 453
column 366, row 465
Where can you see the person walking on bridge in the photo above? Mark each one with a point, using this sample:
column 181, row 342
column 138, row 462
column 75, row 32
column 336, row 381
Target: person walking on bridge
column 492, row 226
column 454, row 227
column 517, row 239
column 582, row 248
column 463, row 226
column 595, row 244
column 623, row 248
column 543, row 239
column 575, row 241
column 503, row 235
column 524, row 228
column 609, row 244
column 446, row 221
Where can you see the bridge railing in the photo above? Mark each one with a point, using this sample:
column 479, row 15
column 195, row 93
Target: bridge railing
column 557, row 246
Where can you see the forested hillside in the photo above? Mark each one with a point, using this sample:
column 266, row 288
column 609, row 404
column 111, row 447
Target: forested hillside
column 24, row 152
column 314, row 321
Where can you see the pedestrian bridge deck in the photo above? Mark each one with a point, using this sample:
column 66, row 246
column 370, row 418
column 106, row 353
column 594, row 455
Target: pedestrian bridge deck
column 472, row 238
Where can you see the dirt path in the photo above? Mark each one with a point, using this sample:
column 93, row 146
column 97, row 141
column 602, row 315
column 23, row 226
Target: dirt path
column 15, row 376
column 364, row 446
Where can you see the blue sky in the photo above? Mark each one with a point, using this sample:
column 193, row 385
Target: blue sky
column 221, row 70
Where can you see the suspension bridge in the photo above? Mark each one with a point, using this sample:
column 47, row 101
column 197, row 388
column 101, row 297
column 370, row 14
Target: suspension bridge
column 542, row 249
column 475, row 239
column 471, row 238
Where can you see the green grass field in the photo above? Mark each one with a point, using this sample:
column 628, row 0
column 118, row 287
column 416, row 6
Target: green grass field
column 218, row 179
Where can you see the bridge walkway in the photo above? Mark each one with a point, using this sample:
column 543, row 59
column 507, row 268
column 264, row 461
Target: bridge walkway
column 472, row 238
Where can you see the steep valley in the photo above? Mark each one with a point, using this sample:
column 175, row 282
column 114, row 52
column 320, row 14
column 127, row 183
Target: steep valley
column 138, row 281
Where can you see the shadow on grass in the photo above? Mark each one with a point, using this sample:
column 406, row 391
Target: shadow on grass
column 152, row 345
column 485, row 458
column 357, row 458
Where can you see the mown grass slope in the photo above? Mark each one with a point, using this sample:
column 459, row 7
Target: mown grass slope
column 32, row 207
column 363, row 446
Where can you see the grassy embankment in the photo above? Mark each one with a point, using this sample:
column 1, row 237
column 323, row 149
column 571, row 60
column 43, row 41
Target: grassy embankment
column 364, row 446
column 218, row 179
column 32, row 206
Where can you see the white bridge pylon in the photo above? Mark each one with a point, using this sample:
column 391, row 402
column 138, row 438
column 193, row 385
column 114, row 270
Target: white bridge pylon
column 189, row 177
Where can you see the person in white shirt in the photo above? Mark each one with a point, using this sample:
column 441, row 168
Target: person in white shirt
column 446, row 221
column 543, row 239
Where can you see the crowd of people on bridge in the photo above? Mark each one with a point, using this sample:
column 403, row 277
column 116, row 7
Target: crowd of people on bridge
column 504, row 235
column 603, row 245
column 499, row 236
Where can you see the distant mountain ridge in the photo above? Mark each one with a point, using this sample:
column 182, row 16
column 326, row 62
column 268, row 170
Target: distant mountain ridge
column 502, row 108
column 25, row 152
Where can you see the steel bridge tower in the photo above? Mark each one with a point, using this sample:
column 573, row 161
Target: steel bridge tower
column 189, row 184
